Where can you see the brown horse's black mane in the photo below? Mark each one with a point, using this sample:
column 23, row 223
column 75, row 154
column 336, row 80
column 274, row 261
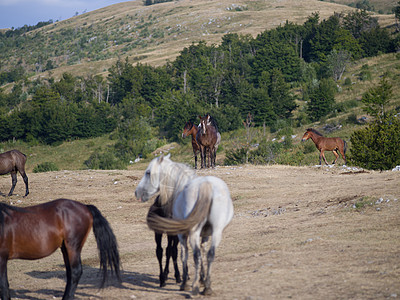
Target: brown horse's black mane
column 315, row 131
column 4, row 208
column 213, row 121
column 189, row 124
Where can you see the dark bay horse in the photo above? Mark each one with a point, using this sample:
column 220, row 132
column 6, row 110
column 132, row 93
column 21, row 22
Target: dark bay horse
column 334, row 144
column 37, row 231
column 12, row 162
column 172, row 247
column 207, row 139
column 192, row 129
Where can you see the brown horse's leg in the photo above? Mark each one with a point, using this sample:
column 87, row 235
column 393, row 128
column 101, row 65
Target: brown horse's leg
column 337, row 156
column 195, row 159
column 4, row 286
column 25, row 178
column 73, row 266
column 14, row 182
column 203, row 152
column 343, row 155
column 323, row 156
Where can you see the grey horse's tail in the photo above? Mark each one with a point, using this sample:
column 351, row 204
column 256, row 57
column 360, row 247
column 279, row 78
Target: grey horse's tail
column 174, row 226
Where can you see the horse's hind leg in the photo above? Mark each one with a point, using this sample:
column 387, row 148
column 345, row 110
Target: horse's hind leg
column 4, row 286
column 14, row 182
column 25, row 178
column 343, row 155
column 184, row 257
column 159, row 253
column 73, row 267
column 195, row 244
column 174, row 253
column 336, row 155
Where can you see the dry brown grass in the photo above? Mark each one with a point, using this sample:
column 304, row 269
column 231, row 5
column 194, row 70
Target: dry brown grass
column 297, row 232
column 191, row 21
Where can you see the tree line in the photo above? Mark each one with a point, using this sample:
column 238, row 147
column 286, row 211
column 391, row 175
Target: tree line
column 243, row 74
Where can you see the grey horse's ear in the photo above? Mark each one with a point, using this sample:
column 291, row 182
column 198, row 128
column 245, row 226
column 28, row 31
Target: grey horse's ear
column 160, row 158
column 168, row 155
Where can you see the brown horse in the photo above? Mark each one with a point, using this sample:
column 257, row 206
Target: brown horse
column 322, row 143
column 192, row 129
column 207, row 138
column 12, row 162
column 172, row 247
column 37, row 231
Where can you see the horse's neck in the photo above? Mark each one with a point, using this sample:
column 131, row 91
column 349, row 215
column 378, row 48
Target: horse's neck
column 315, row 137
column 171, row 191
column 193, row 132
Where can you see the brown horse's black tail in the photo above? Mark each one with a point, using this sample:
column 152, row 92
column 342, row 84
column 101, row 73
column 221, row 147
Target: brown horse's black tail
column 344, row 146
column 106, row 244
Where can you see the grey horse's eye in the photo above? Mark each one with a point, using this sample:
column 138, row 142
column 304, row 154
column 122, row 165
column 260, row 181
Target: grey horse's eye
column 147, row 173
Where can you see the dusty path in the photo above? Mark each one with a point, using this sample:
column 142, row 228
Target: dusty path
column 302, row 233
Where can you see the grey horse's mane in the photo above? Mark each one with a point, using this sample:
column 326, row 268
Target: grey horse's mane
column 174, row 178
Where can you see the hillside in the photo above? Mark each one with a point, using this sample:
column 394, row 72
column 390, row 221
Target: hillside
column 90, row 43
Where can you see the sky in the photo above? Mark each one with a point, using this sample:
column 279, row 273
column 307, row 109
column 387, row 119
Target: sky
column 17, row 13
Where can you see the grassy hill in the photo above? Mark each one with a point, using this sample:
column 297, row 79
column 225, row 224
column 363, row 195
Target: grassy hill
column 90, row 43
column 155, row 34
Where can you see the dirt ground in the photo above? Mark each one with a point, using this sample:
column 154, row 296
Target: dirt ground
column 297, row 232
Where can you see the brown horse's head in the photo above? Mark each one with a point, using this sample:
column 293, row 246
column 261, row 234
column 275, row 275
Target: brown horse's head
column 187, row 129
column 309, row 133
column 306, row 135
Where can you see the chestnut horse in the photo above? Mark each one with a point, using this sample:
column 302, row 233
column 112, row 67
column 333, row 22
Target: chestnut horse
column 334, row 144
column 12, row 162
column 192, row 129
column 207, row 138
column 37, row 231
column 172, row 247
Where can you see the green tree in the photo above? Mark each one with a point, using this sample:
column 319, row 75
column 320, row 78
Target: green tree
column 396, row 11
column 377, row 146
column 320, row 97
column 376, row 100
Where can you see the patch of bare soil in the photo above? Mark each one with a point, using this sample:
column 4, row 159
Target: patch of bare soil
column 298, row 232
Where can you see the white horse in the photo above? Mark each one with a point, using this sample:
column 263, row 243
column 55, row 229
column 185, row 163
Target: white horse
column 201, row 207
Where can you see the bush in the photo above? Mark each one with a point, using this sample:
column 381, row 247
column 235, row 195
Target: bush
column 236, row 156
column 45, row 167
column 104, row 161
column 377, row 146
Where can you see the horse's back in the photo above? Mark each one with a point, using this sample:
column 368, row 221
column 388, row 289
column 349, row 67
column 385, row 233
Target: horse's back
column 221, row 210
column 39, row 230
column 12, row 160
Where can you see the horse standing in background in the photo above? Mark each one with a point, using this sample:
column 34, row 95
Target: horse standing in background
column 172, row 246
column 13, row 161
column 192, row 129
column 37, row 231
column 207, row 138
column 334, row 144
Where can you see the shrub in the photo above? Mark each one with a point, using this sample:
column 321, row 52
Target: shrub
column 104, row 161
column 377, row 146
column 45, row 167
column 236, row 156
